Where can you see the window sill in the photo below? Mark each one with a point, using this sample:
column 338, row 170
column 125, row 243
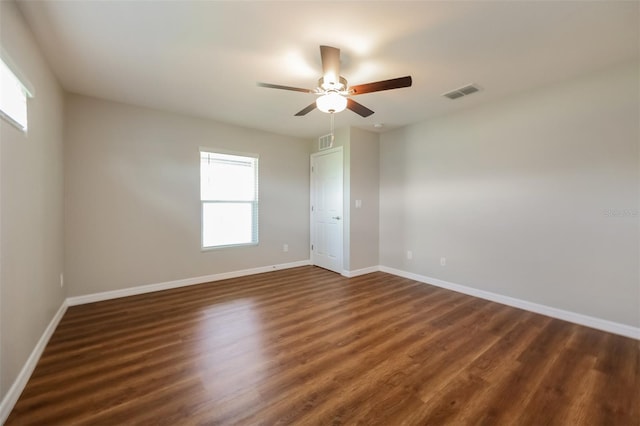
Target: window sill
column 215, row 248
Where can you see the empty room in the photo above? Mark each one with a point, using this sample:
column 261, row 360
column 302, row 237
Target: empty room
column 319, row 213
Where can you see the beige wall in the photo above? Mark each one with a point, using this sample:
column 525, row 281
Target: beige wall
column 132, row 196
column 516, row 195
column 364, row 186
column 31, row 210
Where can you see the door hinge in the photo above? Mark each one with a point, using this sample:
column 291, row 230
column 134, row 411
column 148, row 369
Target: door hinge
column 311, row 208
column 311, row 169
column 311, row 247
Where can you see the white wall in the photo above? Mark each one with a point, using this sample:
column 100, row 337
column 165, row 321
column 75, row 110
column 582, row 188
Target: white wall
column 132, row 196
column 516, row 195
column 31, row 210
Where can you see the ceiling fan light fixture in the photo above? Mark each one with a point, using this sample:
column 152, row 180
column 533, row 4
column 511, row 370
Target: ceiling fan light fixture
column 331, row 102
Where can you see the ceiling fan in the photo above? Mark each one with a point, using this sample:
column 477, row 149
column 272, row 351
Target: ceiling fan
column 334, row 94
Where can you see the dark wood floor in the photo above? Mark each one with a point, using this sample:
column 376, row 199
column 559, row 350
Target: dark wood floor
column 306, row 346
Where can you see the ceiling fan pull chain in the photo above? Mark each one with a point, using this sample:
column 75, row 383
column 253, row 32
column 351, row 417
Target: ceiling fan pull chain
column 333, row 138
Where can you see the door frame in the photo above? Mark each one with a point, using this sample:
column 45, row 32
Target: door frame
column 311, row 200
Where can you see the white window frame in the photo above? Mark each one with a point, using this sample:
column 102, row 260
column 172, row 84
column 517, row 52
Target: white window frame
column 27, row 90
column 255, row 202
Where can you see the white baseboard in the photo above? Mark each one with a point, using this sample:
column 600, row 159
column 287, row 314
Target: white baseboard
column 358, row 272
column 20, row 382
column 588, row 321
column 149, row 288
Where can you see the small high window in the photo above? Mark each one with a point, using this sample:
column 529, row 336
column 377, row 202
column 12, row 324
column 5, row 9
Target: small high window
column 229, row 196
column 13, row 98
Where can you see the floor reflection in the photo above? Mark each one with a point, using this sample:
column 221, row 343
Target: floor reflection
column 231, row 342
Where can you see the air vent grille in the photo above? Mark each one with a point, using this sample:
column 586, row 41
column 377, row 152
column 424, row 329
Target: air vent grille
column 462, row 91
column 325, row 142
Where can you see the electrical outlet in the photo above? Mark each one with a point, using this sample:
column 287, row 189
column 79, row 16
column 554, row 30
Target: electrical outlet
column 61, row 280
column 285, row 248
column 409, row 254
column 443, row 261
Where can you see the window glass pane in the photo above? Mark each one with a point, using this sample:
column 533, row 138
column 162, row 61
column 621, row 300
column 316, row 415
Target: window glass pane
column 228, row 177
column 13, row 99
column 226, row 224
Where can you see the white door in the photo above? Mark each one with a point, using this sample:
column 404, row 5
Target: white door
column 326, row 209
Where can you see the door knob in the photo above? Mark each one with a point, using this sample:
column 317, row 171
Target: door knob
column 336, row 217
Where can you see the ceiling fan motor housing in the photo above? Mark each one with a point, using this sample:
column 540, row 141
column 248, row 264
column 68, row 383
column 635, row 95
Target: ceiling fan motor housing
column 329, row 85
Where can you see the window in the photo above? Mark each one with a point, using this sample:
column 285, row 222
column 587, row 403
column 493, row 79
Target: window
column 13, row 98
column 229, row 195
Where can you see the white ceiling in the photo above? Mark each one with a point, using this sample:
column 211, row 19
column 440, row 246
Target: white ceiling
column 203, row 58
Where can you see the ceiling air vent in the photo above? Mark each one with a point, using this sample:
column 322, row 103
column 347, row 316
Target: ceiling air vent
column 462, row 91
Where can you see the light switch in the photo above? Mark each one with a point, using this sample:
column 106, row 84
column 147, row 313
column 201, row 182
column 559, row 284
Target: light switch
column 358, row 204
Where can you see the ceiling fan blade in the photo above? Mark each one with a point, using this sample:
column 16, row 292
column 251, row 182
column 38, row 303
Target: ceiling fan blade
column 378, row 86
column 306, row 111
column 277, row 86
column 330, row 64
column 358, row 108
